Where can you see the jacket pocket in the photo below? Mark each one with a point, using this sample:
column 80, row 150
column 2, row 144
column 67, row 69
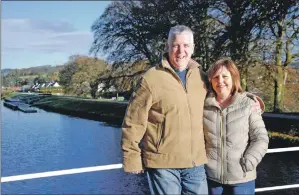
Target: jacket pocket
column 243, row 165
column 160, row 134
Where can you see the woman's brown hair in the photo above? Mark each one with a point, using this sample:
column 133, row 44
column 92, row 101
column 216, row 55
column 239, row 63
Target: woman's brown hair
column 232, row 68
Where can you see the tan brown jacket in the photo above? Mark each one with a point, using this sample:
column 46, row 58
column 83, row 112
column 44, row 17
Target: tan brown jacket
column 163, row 125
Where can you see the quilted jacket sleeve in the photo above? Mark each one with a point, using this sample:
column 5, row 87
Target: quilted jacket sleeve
column 134, row 126
column 258, row 140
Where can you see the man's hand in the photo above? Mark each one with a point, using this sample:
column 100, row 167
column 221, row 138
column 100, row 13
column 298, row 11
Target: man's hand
column 256, row 107
column 137, row 172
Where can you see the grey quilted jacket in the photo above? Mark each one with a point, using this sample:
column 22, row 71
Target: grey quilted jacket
column 236, row 140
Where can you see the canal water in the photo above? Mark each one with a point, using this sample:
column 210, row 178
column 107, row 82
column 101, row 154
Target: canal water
column 47, row 141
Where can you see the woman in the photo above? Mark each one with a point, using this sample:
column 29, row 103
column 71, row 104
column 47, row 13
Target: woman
column 235, row 134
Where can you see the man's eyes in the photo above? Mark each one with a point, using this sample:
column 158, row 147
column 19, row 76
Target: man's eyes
column 176, row 46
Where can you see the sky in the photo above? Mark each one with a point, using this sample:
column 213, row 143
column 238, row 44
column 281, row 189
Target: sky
column 36, row 33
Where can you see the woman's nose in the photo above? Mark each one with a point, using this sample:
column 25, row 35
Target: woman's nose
column 220, row 79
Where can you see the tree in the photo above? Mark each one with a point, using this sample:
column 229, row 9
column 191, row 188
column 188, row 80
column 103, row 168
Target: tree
column 242, row 26
column 283, row 22
column 123, row 82
column 70, row 68
column 131, row 31
column 82, row 71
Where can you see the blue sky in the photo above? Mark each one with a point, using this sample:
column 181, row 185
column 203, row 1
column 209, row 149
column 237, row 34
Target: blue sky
column 35, row 33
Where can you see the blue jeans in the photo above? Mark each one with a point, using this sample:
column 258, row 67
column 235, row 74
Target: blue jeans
column 247, row 188
column 178, row 181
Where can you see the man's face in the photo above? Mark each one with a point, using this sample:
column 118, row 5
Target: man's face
column 180, row 50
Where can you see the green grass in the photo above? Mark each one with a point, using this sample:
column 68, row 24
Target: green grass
column 279, row 140
column 107, row 111
column 7, row 93
column 29, row 77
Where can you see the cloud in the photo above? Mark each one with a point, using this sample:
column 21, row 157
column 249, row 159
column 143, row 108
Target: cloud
column 43, row 36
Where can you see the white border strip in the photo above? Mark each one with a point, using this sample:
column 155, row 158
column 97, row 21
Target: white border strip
column 276, row 188
column 275, row 150
column 61, row 172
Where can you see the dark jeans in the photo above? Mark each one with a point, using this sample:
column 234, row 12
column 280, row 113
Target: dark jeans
column 247, row 188
column 178, row 181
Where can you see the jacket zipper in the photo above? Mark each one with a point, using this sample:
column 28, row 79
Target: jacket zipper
column 186, row 78
column 185, row 88
column 221, row 146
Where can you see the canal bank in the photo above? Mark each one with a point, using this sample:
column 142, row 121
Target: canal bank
column 115, row 110
column 283, row 128
column 111, row 112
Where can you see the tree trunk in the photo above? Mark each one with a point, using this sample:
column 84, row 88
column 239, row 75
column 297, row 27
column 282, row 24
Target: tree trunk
column 93, row 90
column 244, row 73
column 279, row 89
column 279, row 74
column 244, row 79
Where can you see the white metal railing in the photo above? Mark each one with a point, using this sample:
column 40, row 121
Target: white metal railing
column 277, row 188
column 118, row 166
column 276, row 150
column 60, row 172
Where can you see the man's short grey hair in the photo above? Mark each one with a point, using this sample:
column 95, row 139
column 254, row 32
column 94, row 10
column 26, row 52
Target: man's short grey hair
column 178, row 29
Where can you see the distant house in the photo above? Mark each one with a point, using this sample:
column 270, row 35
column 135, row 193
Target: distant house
column 55, row 84
column 50, row 84
column 37, row 86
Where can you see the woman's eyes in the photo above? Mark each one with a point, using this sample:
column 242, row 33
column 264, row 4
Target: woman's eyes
column 223, row 76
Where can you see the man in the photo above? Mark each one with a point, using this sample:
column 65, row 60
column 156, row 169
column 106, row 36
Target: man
column 163, row 128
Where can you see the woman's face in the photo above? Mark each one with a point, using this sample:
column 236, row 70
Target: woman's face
column 222, row 82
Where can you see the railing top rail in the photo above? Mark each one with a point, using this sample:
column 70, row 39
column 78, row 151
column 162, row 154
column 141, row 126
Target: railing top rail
column 118, row 166
column 275, row 150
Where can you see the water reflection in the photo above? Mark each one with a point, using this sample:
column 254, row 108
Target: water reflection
column 279, row 169
column 46, row 141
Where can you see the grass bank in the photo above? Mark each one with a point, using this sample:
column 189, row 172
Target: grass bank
column 108, row 111
column 7, row 93
column 281, row 140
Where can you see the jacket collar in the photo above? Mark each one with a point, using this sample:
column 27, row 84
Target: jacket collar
column 211, row 99
column 165, row 63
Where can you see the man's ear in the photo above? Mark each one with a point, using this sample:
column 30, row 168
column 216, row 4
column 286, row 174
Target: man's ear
column 193, row 49
column 166, row 47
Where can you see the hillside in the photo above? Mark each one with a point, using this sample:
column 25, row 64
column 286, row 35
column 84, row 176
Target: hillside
column 5, row 71
column 24, row 76
column 45, row 69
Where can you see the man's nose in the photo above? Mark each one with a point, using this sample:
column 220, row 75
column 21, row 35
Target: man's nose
column 181, row 49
